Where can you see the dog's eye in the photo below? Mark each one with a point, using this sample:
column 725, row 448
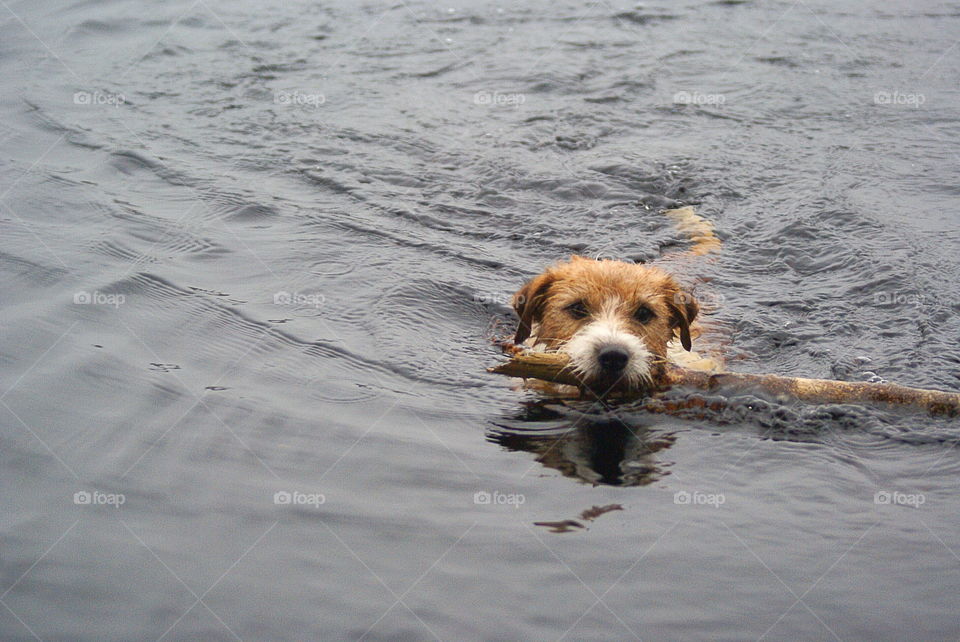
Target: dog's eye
column 578, row 310
column 644, row 314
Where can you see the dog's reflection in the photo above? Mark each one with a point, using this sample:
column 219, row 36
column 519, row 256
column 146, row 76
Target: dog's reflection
column 595, row 449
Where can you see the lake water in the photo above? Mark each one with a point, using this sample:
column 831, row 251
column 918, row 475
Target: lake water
column 252, row 254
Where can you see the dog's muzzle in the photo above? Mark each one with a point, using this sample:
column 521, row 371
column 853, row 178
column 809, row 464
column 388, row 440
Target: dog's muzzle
column 604, row 354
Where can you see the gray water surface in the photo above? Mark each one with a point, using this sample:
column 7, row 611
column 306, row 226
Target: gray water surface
column 252, row 254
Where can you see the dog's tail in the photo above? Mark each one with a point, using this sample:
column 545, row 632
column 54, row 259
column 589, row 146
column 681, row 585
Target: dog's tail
column 698, row 230
column 704, row 244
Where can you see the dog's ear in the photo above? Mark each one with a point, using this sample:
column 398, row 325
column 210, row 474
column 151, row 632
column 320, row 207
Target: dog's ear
column 683, row 310
column 529, row 302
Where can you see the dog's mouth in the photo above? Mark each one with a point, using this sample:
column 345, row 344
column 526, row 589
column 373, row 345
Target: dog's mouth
column 605, row 373
column 606, row 360
column 605, row 382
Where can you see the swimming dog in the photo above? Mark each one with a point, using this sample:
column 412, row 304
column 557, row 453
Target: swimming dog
column 619, row 322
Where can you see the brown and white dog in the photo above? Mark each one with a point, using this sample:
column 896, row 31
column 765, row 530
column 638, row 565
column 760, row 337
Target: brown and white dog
column 618, row 321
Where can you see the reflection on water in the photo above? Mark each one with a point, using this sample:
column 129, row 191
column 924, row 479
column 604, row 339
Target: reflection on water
column 611, row 449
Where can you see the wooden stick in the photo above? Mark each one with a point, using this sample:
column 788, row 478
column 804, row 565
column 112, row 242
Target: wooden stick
column 555, row 367
column 548, row 366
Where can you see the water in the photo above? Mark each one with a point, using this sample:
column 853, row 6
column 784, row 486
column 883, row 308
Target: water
column 254, row 248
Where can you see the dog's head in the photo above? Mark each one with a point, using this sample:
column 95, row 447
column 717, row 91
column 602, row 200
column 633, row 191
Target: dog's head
column 613, row 318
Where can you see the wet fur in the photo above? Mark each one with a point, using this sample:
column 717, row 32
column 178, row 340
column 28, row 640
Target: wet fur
column 611, row 292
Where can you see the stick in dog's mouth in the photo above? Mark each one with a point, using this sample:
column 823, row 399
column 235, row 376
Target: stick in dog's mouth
column 555, row 367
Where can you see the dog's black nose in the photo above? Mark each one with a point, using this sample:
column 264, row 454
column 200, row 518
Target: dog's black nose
column 613, row 358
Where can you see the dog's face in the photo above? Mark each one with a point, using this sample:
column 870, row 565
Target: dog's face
column 613, row 318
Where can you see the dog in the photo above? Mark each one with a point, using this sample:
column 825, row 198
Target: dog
column 619, row 322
